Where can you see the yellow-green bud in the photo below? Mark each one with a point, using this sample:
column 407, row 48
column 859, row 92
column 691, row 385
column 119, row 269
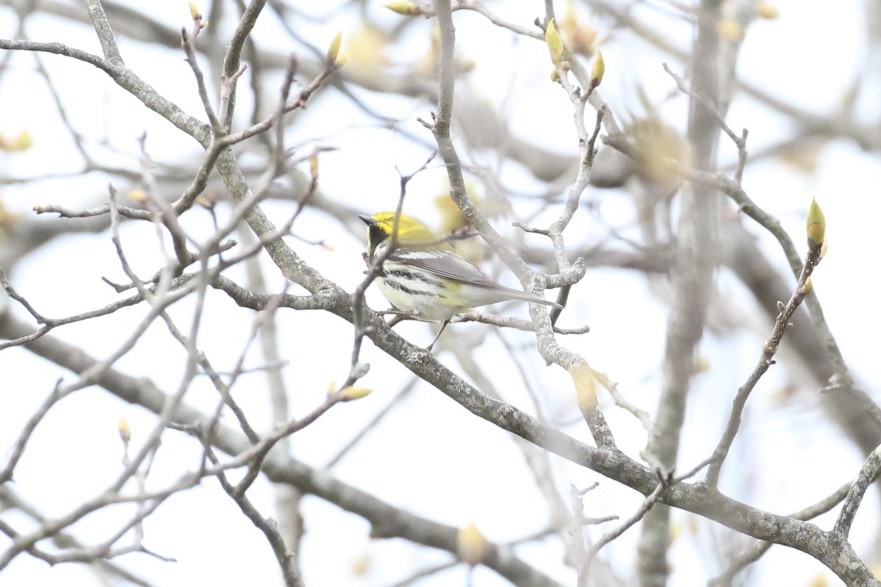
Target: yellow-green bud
column 767, row 10
column 125, row 433
column 195, row 13
column 598, row 70
column 730, row 30
column 22, row 142
column 815, row 226
column 471, row 544
column 405, row 8
column 808, row 287
column 585, row 387
column 554, row 42
column 334, row 50
column 207, row 200
column 352, row 393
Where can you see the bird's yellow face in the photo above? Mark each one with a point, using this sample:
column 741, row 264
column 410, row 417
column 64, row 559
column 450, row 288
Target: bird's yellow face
column 411, row 233
column 410, row 230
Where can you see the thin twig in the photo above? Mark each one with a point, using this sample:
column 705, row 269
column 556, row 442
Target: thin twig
column 769, row 349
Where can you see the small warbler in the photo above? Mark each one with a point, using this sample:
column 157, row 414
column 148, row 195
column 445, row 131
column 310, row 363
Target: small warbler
column 424, row 277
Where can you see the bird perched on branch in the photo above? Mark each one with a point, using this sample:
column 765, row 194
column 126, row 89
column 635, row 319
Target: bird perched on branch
column 423, row 276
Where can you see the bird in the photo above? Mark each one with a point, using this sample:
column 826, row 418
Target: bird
column 423, row 276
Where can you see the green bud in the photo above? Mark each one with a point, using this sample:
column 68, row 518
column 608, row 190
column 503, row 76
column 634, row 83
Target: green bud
column 195, row 13
column 554, row 42
column 404, row 8
column 807, row 288
column 471, row 544
column 585, row 387
column 598, row 70
column 352, row 393
column 333, row 51
column 815, row 226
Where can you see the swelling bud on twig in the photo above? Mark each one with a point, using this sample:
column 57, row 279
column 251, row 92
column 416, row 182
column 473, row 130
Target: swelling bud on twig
column 580, row 39
column 471, row 544
column 554, row 42
column 352, row 393
column 808, row 287
column 333, row 52
column 597, row 71
column 585, row 387
column 815, row 226
column 730, row 30
column 125, row 433
column 404, row 8
column 767, row 10
column 22, row 142
column 207, row 200
column 195, row 13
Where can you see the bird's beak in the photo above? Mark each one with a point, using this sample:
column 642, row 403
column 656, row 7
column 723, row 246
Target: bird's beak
column 367, row 219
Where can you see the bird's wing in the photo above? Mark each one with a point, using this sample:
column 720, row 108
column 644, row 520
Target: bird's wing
column 452, row 266
column 444, row 264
